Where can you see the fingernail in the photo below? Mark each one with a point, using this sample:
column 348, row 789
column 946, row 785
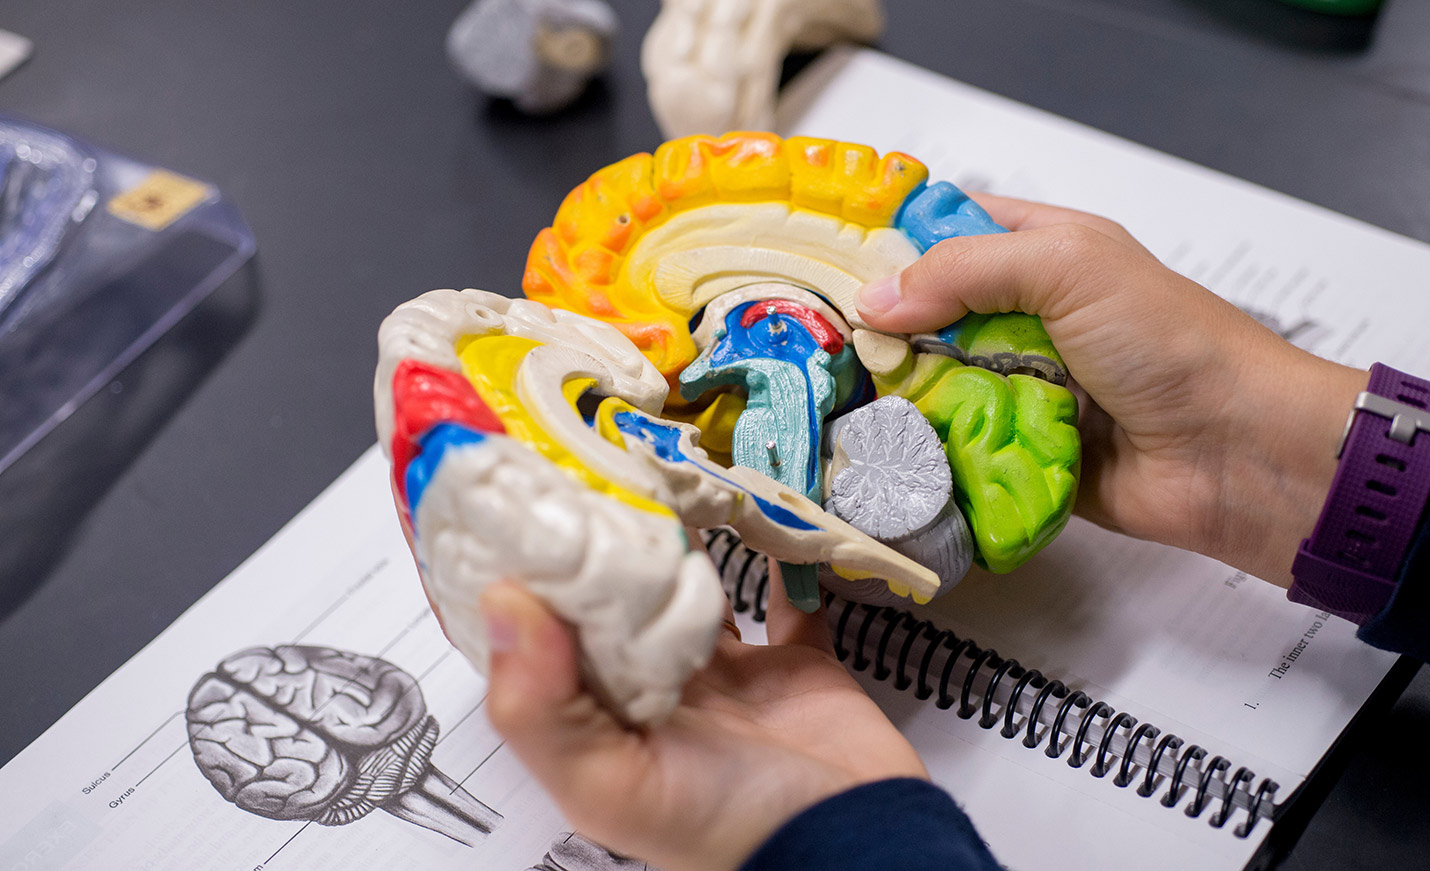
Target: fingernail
column 880, row 295
column 502, row 634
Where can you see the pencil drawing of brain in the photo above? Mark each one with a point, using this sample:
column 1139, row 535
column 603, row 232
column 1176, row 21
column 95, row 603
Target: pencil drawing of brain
column 690, row 355
column 312, row 733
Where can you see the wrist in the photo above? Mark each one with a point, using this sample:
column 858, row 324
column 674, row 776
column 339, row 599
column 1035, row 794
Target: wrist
column 1282, row 460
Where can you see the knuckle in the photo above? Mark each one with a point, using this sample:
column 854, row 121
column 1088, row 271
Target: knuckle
column 1110, row 230
column 1075, row 243
column 1076, row 256
column 1113, row 228
column 944, row 260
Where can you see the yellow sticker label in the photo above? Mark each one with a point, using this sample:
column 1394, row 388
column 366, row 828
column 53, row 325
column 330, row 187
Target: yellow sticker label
column 159, row 200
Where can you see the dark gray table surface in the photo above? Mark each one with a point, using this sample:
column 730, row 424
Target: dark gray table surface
column 369, row 175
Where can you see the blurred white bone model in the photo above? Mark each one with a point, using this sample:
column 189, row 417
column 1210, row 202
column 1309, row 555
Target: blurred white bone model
column 537, row 53
column 712, row 66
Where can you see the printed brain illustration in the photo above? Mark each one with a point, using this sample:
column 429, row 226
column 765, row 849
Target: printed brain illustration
column 313, row 733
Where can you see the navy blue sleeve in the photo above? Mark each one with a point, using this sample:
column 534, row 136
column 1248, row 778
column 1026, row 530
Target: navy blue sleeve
column 899, row 823
column 1403, row 626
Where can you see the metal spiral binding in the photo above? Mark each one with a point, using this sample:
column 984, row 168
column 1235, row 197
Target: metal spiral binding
column 743, row 573
column 895, row 643
column 1060, row 719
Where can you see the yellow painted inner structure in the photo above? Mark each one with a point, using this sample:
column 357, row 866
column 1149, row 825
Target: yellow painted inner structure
column 576, row 263
column 895, row 587
column 491, row 363
column 606, row 426
column 716, row 422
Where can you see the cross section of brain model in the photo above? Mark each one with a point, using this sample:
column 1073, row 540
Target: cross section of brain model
column 691, row 355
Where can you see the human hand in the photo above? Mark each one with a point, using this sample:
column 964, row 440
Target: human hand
column 1204, row 429
column 760, row 735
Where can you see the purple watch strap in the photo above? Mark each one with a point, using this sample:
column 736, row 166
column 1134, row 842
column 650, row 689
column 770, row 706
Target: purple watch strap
column 1349, row 564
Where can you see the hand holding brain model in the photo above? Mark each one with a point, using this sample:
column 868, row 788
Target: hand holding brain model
column 690, row 355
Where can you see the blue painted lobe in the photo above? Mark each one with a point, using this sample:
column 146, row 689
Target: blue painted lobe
column 941, row 211
column 434, row 446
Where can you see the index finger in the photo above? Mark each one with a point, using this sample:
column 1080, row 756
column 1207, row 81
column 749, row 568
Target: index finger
column 1016, row 214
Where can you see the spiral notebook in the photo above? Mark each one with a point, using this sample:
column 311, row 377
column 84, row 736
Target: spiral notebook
column 1039, row 739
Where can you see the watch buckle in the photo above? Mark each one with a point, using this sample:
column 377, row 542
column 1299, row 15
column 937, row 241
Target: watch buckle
column 1405, row 420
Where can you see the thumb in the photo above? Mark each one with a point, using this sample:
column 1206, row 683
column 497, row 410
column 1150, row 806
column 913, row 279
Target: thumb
column 535, row 699
column 1048, row 271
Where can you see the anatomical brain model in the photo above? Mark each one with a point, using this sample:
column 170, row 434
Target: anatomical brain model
column 690, row 355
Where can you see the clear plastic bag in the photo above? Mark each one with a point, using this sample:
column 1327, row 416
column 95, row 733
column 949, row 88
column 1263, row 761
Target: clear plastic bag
column 99, row 256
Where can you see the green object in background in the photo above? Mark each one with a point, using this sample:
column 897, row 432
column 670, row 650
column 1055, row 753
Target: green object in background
column 1338, row 7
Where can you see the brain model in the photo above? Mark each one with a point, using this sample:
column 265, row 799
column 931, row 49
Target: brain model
column 690, row 355
column 311, row 733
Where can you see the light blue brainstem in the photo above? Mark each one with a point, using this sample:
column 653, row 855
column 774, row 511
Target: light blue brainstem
column 790, row 389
